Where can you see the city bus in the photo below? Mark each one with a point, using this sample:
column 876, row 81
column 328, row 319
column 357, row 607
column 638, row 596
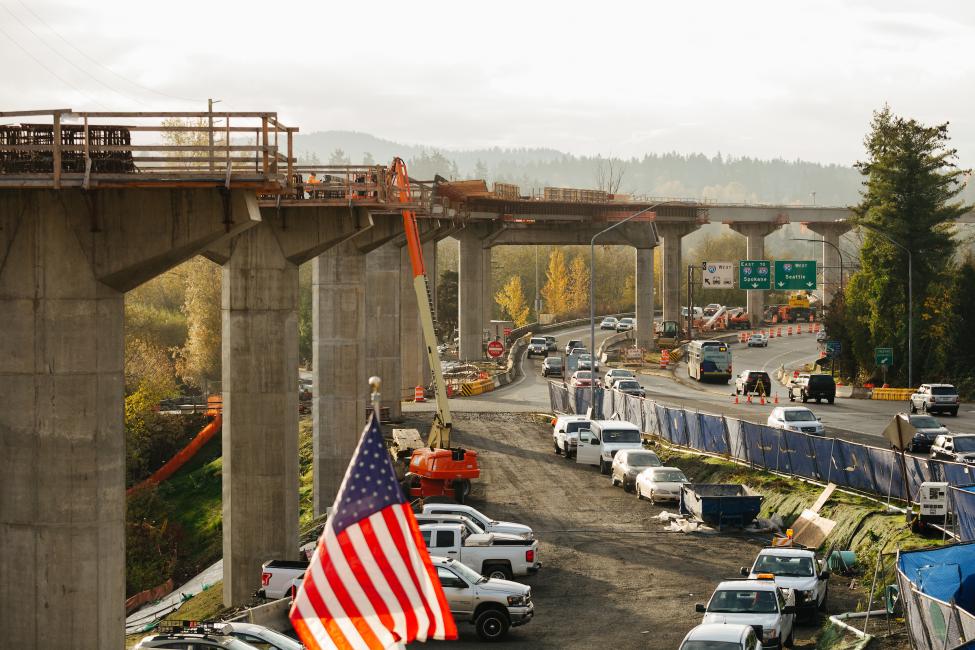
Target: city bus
column 709, row 360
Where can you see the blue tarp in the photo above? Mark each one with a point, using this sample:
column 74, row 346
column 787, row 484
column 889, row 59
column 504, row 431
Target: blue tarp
column 963, row 505
column 666, row 431
column 713, row 434
column 946, row 573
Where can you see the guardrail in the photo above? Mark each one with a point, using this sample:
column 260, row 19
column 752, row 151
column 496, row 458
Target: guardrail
column 63, row 148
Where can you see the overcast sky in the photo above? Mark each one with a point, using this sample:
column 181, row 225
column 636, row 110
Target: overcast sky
column 765, row 79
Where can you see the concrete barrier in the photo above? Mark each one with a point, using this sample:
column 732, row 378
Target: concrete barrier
column 273, row 615
column 891, row 394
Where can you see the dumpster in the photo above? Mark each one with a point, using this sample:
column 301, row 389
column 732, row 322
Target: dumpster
column 720, row 504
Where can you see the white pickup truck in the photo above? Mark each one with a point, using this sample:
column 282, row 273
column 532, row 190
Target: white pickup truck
column 279, row 576
column 493, row 556
column 760, row 603
column 484, row 522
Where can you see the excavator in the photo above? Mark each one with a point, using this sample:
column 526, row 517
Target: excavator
column 435, row 470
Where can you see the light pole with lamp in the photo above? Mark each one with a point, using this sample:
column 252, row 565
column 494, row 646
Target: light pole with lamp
column 592, row 301
column 910, row 299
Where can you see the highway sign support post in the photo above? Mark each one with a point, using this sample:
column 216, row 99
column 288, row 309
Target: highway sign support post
column 754, row 275
column 795, row 275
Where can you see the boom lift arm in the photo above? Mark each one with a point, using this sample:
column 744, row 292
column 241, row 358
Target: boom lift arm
column 440, row 431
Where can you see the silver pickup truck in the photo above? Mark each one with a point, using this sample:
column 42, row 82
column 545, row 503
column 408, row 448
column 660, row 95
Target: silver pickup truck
column 492, row 555
column 491, row 605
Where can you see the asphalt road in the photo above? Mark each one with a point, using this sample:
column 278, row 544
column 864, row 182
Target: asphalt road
column 612, row 577
column 859, row 420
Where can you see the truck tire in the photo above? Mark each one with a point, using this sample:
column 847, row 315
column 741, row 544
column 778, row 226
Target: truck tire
column 822, row 605
column 462, row 489
column 558, row 451
column 911, row 407
column 492, row 624
column 498, row 571
column 803, row 397
column 603, row 467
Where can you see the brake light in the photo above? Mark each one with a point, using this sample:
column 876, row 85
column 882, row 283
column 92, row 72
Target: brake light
column 530, row 556
column 265, row 579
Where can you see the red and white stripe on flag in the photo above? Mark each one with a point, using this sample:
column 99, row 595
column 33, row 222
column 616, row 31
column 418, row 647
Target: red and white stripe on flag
column 370, row 583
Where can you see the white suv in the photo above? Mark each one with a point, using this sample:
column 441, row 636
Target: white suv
column 759, row 603
column 935, row 398
column 565, row 433
column 537, row 346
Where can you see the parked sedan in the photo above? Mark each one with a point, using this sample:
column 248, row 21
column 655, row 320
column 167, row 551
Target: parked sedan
column 626, row 324
column 630, row 387
column 796, row 418
column 553, row 366
column 609, row 323
column 582, row 378
column 660, row 484
column 627, row 463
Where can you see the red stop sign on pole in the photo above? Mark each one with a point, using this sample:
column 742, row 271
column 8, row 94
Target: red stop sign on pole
column 495, row 349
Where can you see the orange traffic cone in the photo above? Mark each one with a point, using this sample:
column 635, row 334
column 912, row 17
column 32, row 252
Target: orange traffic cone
column 736, row 398
column 749, row 398
column 775, row 398
column 761, row 400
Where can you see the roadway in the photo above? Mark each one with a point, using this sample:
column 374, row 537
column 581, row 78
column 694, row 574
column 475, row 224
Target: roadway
column 858, row 420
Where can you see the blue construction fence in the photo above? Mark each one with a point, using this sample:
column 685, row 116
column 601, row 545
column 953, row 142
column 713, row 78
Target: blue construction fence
column 847, row 464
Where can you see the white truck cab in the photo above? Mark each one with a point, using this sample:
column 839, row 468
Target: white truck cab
column 795, row 568
column 492, row 555
column 485, row 523
column 759, row 603
column 605, row 438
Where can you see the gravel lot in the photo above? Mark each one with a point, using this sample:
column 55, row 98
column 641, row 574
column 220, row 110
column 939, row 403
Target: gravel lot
column 611, row 576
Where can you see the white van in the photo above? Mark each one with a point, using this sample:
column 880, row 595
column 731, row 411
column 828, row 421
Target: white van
column 605, row 438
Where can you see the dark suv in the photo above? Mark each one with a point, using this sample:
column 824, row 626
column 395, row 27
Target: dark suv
column 753, row 381
column 817, row 387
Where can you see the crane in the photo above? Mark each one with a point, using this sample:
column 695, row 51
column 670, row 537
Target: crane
column 436, row 470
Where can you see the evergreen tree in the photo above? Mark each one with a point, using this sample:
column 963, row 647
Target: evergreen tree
column 910, row 183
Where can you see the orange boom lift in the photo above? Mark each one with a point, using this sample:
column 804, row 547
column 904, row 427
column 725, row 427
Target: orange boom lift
column 437, row 470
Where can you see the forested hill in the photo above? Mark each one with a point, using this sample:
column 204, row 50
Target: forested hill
column 718, row 178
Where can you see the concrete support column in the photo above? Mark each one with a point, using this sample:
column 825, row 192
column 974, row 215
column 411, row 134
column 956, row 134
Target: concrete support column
column 832, row 263
column 65, row 264
column 339, row 340
column 260, row 401
column 644, row 298
column 410, row 336
column 673, row 271
column 487, row 287
column 470, row 293
column 383, row 323
column 755, row 233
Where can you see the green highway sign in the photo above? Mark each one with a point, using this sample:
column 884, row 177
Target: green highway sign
column 754, row 275
column 793, row 274
column 883, row 356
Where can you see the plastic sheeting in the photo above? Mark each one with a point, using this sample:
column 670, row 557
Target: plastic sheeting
column 963, row 505
column 937, row 589
column 146, row 618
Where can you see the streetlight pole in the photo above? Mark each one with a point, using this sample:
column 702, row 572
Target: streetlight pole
column 910, row 299
column 839, row 254
column 592, row 301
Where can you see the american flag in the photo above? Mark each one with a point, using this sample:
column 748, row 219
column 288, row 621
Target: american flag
column 370, row 583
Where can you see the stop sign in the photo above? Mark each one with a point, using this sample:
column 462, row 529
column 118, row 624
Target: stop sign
column 495, row 349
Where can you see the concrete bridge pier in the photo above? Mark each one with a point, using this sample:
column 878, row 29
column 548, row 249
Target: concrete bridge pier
column 339, row 352
column 755, row 233
column 260, row 385
column 673, row 270
column 470, row 293
column 66, row 259
column 831, row 233
column 644, row 298
column 383, row 324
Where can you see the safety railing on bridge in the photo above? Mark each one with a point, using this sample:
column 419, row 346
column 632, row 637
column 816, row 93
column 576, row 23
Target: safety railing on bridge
column 63, row 148
column 342, row 185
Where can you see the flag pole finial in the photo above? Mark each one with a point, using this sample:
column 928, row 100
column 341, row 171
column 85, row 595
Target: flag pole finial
column 375, row 383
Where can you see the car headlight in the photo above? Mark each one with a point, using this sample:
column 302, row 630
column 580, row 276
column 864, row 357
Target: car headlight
column 517, row 601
